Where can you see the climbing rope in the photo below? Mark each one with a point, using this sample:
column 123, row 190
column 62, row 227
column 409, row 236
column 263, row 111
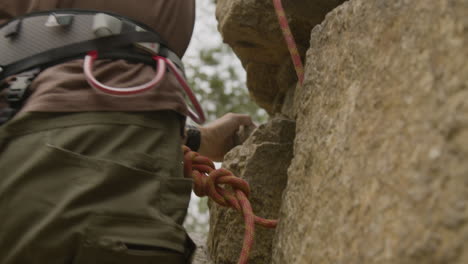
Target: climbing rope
column 290, row 42
column 207, row 182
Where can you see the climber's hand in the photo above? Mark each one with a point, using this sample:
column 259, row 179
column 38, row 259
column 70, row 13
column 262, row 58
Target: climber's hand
column 218, row 137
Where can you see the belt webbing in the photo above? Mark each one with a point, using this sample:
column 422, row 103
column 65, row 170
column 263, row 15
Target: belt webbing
column 27, row 42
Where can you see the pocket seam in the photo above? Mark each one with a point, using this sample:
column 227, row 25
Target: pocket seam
column 96, row 163
column 98, row 227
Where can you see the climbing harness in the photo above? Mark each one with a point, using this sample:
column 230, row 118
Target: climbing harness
column 290, row 42
column 43, row 39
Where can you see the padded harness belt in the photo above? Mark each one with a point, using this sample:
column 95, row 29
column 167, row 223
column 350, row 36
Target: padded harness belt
column 33, row 42
column 43, row 39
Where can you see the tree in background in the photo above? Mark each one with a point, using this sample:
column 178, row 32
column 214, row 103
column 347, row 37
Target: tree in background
column 220, row 86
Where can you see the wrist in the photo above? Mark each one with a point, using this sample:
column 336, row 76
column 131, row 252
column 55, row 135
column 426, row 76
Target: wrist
column 193, row 137
column 203, row 150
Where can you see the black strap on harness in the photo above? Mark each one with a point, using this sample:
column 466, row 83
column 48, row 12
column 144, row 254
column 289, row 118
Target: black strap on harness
column 112, row 47
column 33, row 42
column 16, row 94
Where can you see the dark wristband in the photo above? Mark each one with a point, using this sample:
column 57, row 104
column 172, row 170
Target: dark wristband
column 193, row 138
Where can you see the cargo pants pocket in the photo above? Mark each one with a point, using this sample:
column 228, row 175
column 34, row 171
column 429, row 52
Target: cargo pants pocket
column 122, row 240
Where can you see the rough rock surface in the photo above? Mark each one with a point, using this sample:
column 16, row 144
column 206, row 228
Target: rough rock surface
column 380, row 168
column 263, row 161
column 251, row 28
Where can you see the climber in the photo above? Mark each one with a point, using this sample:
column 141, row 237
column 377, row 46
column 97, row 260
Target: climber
column 87, row 176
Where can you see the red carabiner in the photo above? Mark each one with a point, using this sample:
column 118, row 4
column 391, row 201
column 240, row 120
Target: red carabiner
column 88, row 68
column 197, row 115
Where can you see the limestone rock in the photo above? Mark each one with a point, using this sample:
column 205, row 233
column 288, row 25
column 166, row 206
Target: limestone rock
column 263, row 161
column 251, row 28
column 380, row 168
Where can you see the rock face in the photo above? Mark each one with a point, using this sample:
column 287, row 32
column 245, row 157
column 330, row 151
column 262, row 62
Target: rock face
column 380, row 168
column 251, row 28
column 379, row 172
column 262, row 160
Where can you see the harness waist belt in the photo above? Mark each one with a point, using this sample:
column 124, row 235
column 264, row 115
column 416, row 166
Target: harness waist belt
column 43, row 39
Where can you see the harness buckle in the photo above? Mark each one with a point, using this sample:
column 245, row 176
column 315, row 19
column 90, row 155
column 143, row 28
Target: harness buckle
column 17, row 88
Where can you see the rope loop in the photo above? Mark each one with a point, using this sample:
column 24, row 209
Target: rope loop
column 209, row 181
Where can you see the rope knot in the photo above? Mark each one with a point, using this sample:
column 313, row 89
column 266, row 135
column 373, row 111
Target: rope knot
column 208, row 181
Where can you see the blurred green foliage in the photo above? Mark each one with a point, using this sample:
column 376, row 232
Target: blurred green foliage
column 220, row 89
column 218, row 80
column 215, row 79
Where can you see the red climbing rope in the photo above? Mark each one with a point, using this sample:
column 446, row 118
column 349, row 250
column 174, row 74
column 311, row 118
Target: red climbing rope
column 208, row 181
column 288, row 36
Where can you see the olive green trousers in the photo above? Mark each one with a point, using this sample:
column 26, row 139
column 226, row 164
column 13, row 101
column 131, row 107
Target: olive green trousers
column 95, row 187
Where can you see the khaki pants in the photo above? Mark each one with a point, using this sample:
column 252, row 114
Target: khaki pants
column 88, row 188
